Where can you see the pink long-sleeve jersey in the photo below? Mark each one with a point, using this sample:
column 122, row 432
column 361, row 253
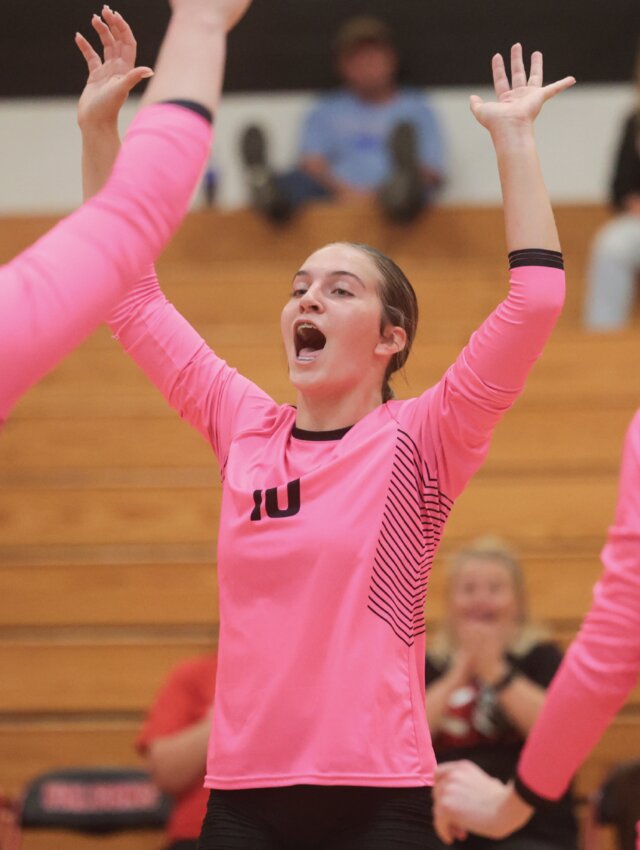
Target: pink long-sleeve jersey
column 602, row 665
column 326, row 541
column 59, row 290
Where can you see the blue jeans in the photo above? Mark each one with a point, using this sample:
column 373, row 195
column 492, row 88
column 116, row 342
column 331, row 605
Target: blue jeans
column 300, row 188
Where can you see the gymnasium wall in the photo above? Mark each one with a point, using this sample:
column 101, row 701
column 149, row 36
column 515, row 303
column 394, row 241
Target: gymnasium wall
column 445, row 47
column 39, row 168
column 285, row 45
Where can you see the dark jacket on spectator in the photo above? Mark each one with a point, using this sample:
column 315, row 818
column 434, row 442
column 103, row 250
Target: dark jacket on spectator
column 626, row 178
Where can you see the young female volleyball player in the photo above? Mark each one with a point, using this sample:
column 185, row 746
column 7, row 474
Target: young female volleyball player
column 57, row 291
column 332, row 512
column 598, row 673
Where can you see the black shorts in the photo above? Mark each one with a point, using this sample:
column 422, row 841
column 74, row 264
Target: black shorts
column 320, row 817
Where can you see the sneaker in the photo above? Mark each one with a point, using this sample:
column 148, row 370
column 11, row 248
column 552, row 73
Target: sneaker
column 266, row 195
column 402, row 196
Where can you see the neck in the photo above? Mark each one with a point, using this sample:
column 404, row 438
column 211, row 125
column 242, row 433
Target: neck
column 328, row 413
column 381, row 95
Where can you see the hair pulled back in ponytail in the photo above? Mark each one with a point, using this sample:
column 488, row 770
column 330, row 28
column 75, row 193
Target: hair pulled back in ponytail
column 399, row 307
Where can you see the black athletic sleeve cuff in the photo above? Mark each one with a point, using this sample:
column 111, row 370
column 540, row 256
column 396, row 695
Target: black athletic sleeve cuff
column 529, row 796
column 536, row 257
column 198, row 108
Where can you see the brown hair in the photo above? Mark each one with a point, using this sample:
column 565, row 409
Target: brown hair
column 399, row 307
column 490, row 548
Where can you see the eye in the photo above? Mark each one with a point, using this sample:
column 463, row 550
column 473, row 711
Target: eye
column 298, row 292
column 341, row 292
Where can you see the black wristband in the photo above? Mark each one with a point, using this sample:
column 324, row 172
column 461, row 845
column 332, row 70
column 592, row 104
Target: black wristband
column 536, row 257
column 193, row 106
column 530, row 797
column 505, row 680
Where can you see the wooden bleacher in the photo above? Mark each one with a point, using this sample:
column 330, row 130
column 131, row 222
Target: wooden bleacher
column 109, row 504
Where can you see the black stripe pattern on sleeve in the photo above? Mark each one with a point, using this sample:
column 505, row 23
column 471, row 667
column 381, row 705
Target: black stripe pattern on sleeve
column 412, row 522
column 536, row 257
column 194, row 106
column 529, row 796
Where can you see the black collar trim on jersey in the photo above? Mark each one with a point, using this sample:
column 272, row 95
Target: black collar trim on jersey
column 319, row 436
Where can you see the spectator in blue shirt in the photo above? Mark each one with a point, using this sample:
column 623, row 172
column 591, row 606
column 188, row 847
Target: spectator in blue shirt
column 371, row 139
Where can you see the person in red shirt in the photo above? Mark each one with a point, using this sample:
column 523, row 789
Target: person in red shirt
column 174, row 739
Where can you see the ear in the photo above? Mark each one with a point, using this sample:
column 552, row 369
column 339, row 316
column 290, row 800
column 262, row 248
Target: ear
column 393, row 340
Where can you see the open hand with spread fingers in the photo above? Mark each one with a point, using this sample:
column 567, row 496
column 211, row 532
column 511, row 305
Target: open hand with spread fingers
column 520, row 100
column 112, row 77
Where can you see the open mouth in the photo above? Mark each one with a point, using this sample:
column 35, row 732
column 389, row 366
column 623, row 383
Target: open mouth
column 309, row 341
column 483, row 616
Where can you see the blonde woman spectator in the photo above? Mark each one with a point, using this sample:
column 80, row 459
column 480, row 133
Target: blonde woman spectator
column 487, row 672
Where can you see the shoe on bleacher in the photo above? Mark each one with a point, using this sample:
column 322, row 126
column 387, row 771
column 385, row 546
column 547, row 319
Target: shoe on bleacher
column 266, row 195
column 402, row 196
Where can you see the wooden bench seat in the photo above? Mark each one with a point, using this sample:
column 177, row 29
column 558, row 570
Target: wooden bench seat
column 445, row 232
column 133, row 506
column 165, row 595
column 109, row 504
column 528, row 440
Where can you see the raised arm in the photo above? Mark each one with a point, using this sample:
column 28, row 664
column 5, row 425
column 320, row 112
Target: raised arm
column 197, row 30
column 195, row 382
column 490, row 373
column 56, row 292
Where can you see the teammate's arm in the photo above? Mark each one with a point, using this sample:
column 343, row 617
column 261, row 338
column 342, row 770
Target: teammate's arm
column 599, row 671
column 491, row 371
column 57, row 291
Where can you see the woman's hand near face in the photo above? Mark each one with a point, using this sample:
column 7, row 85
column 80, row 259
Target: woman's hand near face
column 485, row 644
column 438, row 694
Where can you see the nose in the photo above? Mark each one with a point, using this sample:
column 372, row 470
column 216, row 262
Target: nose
column 310, row 301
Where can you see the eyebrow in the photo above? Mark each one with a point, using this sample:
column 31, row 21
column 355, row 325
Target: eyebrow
column 337, row 273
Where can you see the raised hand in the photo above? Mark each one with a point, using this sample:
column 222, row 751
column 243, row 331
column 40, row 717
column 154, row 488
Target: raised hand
column 113, row 77
column 520, row 100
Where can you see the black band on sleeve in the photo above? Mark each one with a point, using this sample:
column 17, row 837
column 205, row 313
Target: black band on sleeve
column 529, row 796
column 198, row 108
column 536, row 257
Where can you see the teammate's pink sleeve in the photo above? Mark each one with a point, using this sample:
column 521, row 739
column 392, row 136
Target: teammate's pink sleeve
column 59, row 290
column 458, row 416
column 602, row 665
column 205, row 391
